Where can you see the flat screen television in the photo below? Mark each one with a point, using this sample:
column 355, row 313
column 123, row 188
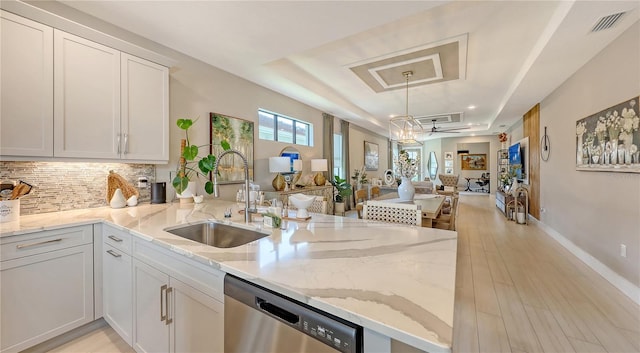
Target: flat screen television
column 515, row 157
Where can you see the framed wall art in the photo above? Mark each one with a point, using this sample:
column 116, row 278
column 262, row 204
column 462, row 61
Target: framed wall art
column 371, row 155
column 239, row 134
column 474, row 161
column 608, row 140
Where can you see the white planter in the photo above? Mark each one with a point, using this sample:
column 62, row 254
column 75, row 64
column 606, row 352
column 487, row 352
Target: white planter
column 520, row 217
column 189, row 192
column 406, row 190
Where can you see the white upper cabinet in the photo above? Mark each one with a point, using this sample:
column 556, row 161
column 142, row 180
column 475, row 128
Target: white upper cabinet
column 86, row 98
column 69, row 97
column 26, row 78
column 145, row 109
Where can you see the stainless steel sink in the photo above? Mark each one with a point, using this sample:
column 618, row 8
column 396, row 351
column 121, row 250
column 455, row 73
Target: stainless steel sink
column 216, row 234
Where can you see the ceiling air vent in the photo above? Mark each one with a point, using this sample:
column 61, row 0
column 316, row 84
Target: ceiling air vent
column 607, row 22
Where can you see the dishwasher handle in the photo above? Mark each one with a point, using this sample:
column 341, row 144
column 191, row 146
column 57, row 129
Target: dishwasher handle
column 277, row 311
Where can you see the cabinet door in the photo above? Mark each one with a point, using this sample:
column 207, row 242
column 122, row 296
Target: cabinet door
column 86, row 98
column 117, row 292
column 45, row 295
column 26, row 78
column 150, row 333
column 145, row 110
column 198, row 321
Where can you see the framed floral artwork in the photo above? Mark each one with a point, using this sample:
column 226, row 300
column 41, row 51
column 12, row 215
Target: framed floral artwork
column 239, row 134
column 608, row 140
column 371, row 155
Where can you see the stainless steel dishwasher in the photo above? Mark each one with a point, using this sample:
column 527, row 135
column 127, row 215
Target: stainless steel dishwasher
column 259, row 320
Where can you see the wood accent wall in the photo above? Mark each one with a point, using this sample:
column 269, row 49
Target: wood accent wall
column 531, row 128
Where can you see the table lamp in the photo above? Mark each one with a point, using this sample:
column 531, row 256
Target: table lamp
column 319, row 166
column 279, row 165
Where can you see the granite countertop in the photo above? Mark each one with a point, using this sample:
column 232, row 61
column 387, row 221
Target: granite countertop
column 396, row 280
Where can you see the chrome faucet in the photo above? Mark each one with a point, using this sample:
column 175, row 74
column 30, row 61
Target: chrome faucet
column 247, row 208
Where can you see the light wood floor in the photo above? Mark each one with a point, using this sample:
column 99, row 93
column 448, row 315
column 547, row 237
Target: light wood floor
column 517, row 290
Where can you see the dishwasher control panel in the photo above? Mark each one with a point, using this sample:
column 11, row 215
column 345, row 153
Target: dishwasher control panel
column 331, row 335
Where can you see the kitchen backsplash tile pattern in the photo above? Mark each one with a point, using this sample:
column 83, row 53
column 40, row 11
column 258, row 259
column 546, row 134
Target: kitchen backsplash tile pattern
column 60, row 186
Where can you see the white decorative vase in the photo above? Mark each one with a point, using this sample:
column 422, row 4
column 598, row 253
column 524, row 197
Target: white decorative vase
column 117, row 200
column 406, row 190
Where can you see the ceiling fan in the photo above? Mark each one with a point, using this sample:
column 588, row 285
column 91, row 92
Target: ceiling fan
column 452, row 130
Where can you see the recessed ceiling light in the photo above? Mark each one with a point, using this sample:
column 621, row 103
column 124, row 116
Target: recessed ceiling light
column 471, row 107
column 469, row 124
column 473, row 134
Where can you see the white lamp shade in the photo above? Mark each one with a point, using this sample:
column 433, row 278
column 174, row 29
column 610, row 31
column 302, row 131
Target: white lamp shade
column 279, row 164
column 319, row 165
column 297, row 165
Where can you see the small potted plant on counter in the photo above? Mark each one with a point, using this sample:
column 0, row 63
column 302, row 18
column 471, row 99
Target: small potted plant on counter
column 191, row 166
column 343, row 189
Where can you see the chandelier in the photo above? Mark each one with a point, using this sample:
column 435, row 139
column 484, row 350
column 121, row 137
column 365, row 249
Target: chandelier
column 405, row 129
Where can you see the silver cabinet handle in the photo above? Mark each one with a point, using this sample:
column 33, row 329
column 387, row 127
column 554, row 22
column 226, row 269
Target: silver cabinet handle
column 118, row 143
column 114, row 238
column 22, row 246
column 113, row 253
column 166, row 303
column 163, row 317
column 126, row 143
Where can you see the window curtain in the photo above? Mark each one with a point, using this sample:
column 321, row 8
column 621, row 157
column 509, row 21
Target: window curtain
column 327, row 142
column 344, row 128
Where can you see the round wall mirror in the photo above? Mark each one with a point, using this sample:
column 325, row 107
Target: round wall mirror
column 432, row 165
column 293, row 155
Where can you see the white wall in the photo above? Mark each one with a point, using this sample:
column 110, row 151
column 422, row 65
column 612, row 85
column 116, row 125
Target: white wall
column 596, row 211
column 357, row 136
column 482, row 144
column 197, row 89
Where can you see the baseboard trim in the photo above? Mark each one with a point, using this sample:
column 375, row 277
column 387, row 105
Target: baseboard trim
column 64, row 338
column 629, row 289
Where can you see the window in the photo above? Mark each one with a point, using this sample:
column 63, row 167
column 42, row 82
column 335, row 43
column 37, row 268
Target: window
column 275, row 127
column 414, row 153
column 337, row 156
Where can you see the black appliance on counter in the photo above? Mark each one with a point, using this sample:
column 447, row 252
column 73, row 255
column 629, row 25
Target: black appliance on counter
column 159, row 192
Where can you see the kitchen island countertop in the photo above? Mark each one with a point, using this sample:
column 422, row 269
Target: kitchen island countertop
column 398, row 281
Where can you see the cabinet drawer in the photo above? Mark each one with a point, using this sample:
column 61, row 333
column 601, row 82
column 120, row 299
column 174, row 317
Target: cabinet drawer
column 45, row 241
column 117, row 238
column 201, row 277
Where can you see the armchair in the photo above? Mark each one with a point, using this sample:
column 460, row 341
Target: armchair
column 450, row 183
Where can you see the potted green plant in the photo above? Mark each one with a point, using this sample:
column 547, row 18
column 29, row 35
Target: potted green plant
column 343, row 189
column 191, row 166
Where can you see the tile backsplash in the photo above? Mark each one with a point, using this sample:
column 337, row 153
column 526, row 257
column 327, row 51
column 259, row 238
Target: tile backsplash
column 60, row 186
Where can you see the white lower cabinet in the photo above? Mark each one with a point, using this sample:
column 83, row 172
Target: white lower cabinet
column 46, row 285
column 171, row 315
column 117, row 285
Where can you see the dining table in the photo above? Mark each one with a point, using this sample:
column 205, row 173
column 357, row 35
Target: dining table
column 430, row 205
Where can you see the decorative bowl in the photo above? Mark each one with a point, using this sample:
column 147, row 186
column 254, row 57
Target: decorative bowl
column 301, row 202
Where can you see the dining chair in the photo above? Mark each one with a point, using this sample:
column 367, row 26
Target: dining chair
column 375, row 192
column 361, row 197
column 447, row 221
column 392, row 212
